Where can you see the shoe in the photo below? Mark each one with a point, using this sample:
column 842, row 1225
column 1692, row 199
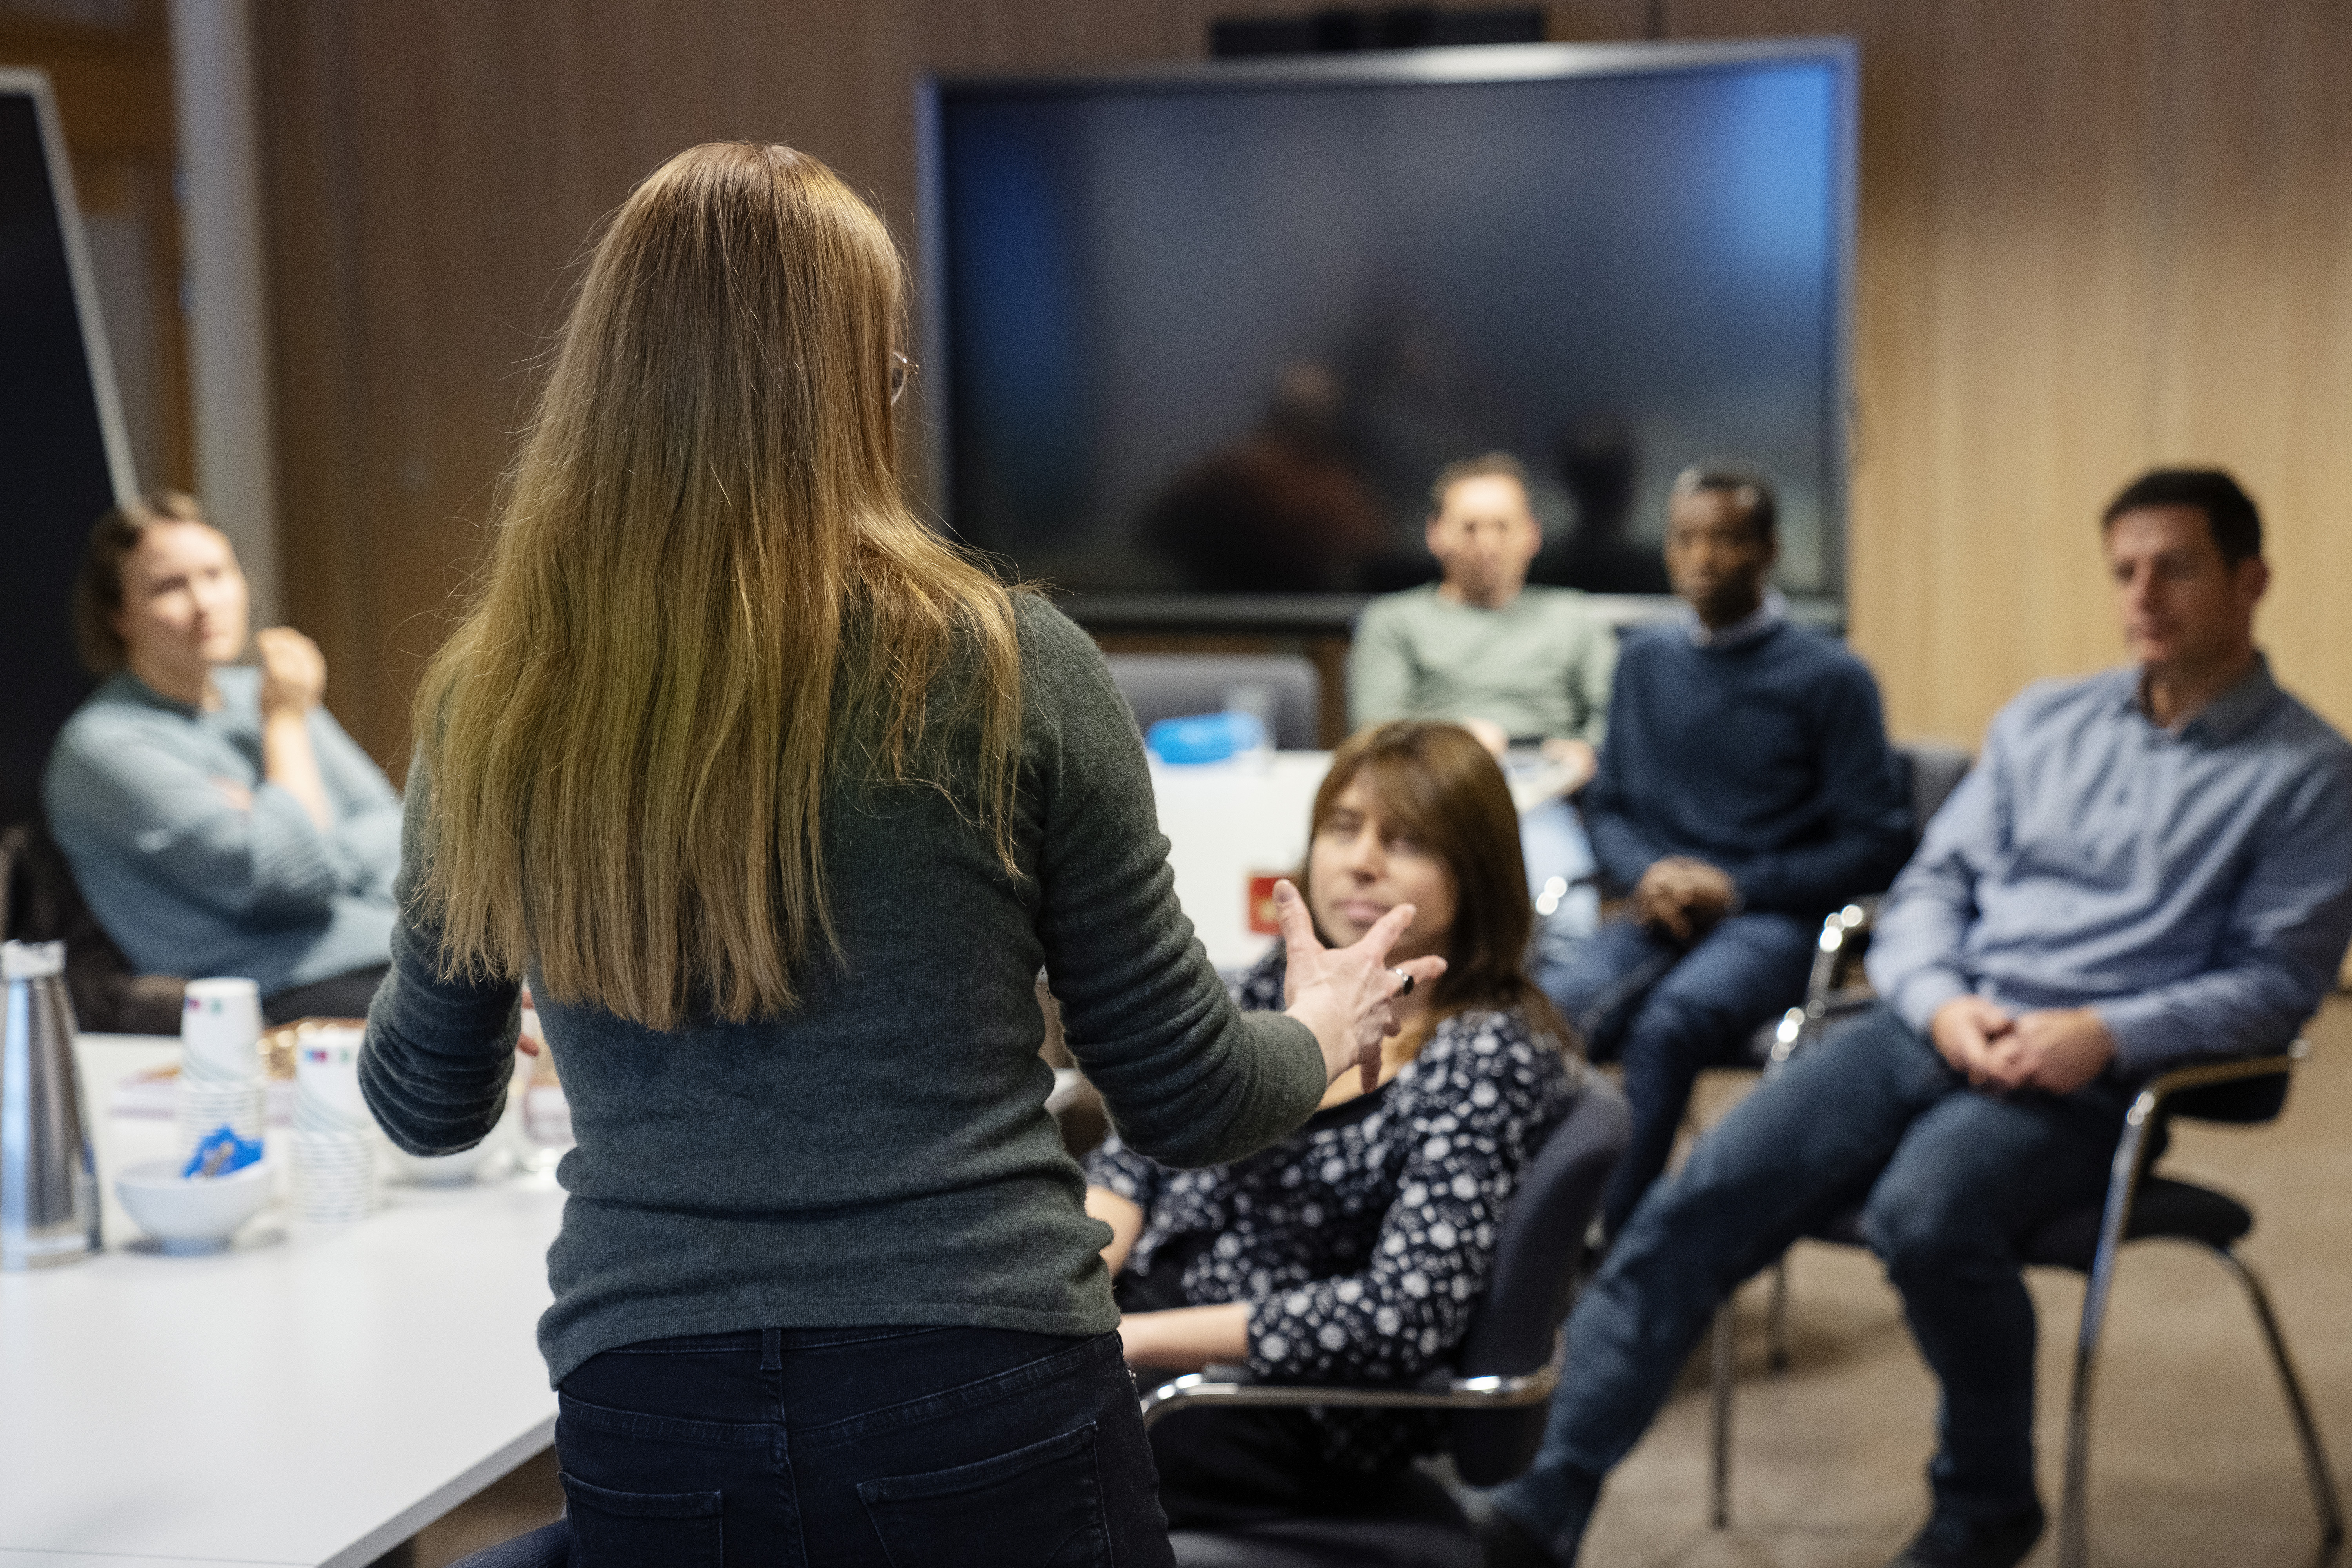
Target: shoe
column 1504, row 1542
column 1956, row 1540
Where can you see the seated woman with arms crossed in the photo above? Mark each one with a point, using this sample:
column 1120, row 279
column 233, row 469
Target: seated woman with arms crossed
column 218, row 819
column 1354, row 1250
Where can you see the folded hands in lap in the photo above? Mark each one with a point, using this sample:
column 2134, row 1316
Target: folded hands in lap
column 2058, row 1049
column 1684, row 897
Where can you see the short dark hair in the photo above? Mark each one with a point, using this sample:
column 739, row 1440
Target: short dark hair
column 1748, row 490
column 1484, row 466
column 98, row 586
column 2229, row 512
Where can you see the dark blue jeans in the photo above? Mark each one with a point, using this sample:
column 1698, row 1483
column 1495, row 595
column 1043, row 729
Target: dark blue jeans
column 1950, row 1182
column 1667, row 1011
column 889, row 1446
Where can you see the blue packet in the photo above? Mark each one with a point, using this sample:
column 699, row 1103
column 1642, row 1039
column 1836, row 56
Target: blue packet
column 220, row 1151
column 1204, row 737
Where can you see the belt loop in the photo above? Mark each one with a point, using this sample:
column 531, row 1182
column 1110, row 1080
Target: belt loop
column 772, row 1350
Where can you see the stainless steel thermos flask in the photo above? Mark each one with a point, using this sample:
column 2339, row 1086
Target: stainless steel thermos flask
column 48, row 1169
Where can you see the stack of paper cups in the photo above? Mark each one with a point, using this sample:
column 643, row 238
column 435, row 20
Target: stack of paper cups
column 220, row 1062
column 336, row 1177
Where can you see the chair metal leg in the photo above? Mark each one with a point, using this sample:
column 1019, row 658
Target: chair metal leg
column 2115, row 1224
column 2315, row 1456
column 1776, row 1317
column 2073, row 1510
column 1720, row 1384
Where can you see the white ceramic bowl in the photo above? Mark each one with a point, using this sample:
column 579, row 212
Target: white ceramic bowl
column 449, row 1170
column 186, row 1215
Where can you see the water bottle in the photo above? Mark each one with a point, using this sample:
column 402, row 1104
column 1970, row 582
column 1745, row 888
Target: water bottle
column 48, row 1167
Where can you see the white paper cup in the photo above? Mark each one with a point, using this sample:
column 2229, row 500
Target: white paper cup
column 327, row 1076
column 335, row 1176
column 220, row 1029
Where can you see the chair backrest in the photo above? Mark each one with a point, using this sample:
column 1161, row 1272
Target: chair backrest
column 1174, row 685
column 1536, row 1259
column 1931, row 771
column 39, row 903
column 2244, row 1100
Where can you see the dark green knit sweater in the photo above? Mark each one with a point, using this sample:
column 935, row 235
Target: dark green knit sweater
column 881, row 1154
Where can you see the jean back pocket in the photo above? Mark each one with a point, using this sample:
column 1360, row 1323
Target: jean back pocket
column 629, row 1530
column 1038, row 1507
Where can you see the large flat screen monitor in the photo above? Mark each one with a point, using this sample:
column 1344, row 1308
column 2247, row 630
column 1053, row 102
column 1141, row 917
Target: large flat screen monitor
column 64, row 458
column 1200, row 337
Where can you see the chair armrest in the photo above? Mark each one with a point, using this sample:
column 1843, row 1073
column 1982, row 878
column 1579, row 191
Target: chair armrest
column 1493, row 1392
column 1846, row 928
column 2132, row 1149
column 2203, row 1075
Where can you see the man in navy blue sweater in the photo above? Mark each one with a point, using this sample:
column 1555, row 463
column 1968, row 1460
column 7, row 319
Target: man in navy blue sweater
column 1744, row 792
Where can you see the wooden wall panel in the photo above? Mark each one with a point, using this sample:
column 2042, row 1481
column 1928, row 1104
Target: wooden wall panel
column 2004, row 289
column 435, row 165
column 2253, row 365
column 2093, row 237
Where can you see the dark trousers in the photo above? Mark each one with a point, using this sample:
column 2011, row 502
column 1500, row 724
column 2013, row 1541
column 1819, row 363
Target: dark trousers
column 1950, row 1182
column 1229, row 1470
column 1667, row 1011
column 838, row 1448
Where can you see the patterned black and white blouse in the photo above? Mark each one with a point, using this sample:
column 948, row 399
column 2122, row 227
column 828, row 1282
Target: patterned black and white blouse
column 1362, row 1240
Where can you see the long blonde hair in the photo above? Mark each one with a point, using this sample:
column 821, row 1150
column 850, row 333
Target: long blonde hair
column 705, row 598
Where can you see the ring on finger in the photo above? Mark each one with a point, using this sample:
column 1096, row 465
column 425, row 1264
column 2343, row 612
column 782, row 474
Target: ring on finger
column 1405, row 989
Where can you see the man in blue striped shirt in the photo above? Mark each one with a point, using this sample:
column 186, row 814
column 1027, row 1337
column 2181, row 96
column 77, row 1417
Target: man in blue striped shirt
column 2147, row 866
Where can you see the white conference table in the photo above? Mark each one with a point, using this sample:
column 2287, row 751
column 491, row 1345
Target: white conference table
column 313, row 1396
column 316, row 1395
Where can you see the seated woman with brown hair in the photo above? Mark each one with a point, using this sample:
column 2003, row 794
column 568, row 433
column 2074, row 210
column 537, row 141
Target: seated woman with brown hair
column 1356, row 1249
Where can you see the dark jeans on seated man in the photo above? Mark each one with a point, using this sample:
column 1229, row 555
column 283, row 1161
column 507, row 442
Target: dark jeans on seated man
column 1950, row 1182
column 1666, row 1011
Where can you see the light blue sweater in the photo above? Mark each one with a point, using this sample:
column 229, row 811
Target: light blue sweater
column 188, row 882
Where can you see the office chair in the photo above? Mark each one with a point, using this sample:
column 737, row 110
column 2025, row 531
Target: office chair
column 40, row 902
column 2138, row 1207
column 1497, row 1389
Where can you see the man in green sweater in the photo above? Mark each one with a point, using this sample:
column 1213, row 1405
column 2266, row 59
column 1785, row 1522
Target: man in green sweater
column 1530, row 665
column 1513, row 664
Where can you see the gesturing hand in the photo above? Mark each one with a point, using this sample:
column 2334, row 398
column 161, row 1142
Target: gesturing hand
column 1343, row 992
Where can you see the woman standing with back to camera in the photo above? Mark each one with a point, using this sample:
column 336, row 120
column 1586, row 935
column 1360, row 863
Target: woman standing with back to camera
column 780, row 803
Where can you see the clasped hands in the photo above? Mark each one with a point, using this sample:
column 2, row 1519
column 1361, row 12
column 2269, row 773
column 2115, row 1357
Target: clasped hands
column 1683, row 897
column 2058, row 1049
